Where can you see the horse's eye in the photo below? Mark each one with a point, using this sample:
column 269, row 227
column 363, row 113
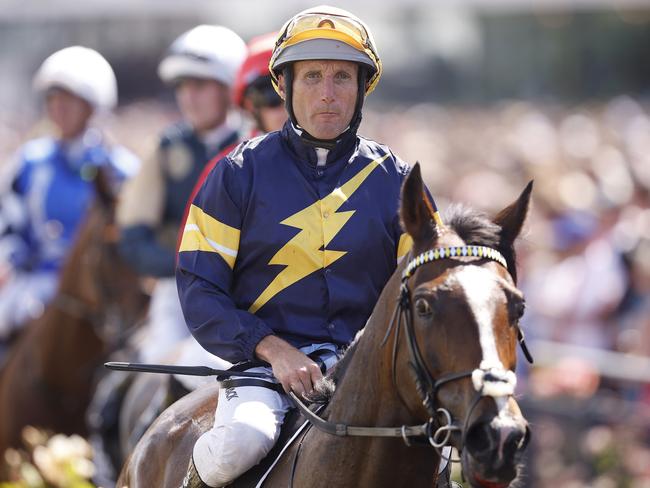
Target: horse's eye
column 423, row 308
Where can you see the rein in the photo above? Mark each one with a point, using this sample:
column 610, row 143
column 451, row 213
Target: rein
column 487, row 381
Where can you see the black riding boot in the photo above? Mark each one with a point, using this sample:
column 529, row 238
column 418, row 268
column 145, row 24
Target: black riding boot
column 192, row 478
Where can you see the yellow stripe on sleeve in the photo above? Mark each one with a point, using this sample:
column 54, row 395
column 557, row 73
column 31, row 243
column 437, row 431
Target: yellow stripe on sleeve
column 205, row 233
column 404, row 246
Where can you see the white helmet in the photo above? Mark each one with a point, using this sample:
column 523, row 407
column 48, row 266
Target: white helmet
column 83, row 72
column 207, row 51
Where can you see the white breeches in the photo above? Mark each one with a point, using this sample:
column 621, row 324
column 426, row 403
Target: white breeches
column 166, row 338
column 24, row 298
column 190, row 353
column 246, row 426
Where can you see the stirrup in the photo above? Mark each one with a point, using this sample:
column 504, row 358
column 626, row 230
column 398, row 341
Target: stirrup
column 192, row 478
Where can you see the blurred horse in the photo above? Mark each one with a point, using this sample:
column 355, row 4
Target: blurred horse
column 435, row 366
column 48, row 377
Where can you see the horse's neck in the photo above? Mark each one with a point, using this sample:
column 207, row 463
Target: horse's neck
column 66, row 331
column 67, row 341
column 367, row 377
column 366, row 397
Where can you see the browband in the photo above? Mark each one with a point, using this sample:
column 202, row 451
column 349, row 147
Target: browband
column 450, row 252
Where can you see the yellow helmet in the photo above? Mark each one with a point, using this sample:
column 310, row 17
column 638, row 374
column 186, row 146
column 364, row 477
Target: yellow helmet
column 326, row 33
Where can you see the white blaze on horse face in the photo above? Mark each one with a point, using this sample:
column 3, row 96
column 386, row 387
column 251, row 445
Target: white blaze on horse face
column 480, row 287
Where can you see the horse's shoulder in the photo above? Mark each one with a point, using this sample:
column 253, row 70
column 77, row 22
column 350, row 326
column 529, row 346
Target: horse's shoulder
column 194, row 411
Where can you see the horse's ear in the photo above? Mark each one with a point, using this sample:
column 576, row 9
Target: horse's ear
column 416, row 211
column 104, row 189
column 511, row 219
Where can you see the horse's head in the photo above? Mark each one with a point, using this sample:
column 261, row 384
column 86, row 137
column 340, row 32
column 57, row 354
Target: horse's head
column 461, row 309
column 95, row 282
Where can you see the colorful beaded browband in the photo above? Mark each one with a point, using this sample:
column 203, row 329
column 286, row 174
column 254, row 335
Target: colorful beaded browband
column 450, row 252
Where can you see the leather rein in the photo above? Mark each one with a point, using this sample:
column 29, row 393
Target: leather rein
column 487, row 381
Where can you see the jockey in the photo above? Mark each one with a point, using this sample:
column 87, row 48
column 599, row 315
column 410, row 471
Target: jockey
column 45, row 199
column 253, row 92
column 274, row 263
column 201, row 65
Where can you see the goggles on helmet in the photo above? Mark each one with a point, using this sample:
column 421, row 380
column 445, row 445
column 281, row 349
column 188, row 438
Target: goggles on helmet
column 314, row 25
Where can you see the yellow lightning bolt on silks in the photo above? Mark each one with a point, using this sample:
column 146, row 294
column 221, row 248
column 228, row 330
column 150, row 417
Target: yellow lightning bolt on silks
column 319, row 224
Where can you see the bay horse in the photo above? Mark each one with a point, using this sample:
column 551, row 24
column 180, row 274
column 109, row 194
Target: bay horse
column 48, row 377
column 435, row 361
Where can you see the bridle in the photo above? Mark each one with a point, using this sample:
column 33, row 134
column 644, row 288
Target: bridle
column 488, row 380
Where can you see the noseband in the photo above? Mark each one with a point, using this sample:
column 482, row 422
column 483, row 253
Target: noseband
column 488, row 380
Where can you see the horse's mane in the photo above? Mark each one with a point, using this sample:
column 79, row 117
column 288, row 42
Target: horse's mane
column 324, row 389
column 473, row 227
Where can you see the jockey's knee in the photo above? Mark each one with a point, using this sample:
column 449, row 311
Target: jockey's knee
column 227, row 451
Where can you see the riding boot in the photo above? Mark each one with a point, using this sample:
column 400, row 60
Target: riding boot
column 192, row 478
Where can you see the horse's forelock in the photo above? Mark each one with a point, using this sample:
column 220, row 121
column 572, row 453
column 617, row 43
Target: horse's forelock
column 473, row 227
column 477, row 229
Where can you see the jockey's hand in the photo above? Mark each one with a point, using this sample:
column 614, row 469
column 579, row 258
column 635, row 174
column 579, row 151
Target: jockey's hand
column 293, row 369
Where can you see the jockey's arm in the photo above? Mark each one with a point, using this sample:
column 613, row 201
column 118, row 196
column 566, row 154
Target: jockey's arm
column 16, row 248
column 139, row 214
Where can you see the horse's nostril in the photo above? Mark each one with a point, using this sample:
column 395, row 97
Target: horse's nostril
column 496, row 445
column 479, row 440
column 512, row 439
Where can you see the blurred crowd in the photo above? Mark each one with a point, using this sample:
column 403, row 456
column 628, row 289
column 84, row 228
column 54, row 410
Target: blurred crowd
column 584, row 259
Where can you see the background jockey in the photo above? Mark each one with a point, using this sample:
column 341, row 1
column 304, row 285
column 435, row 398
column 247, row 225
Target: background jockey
column 46, row 196
column 291, row 238
column 253, row 92
column 201, row 65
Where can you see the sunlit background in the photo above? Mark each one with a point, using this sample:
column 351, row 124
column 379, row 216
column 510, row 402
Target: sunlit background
column 486, row 95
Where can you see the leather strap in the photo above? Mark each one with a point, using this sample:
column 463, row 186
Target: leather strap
column 239, row 382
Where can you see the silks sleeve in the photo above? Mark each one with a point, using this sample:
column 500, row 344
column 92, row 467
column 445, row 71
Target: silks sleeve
column 207, row 259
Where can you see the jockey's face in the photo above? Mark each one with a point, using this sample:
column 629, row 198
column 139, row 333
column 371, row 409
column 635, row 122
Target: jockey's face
column 68, row 112
column 324, row 96
column 203, row 103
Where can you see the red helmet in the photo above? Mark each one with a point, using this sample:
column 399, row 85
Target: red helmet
column 255, row 66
